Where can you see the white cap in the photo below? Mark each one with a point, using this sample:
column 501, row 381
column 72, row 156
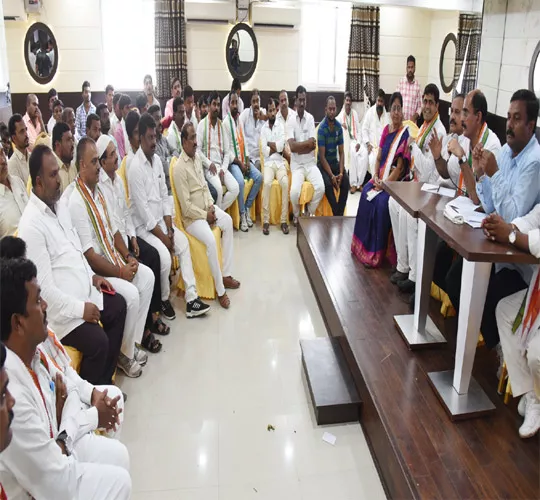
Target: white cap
column 102, row 144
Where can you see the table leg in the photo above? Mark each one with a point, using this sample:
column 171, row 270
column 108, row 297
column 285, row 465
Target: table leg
column 418, row 330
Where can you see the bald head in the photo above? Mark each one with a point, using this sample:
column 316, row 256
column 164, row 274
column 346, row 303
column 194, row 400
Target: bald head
column 32, row 105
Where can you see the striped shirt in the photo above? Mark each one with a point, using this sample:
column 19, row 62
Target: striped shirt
column 80, row 119
column 412, row 97
column 330, row 140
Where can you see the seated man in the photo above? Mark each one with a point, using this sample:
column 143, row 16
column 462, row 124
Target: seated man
column 120, row 134
column 202, row 106
column 116, row 114
column 7, row 402
column 131, row 126
column 301, row 140
column 52, row 96
column 364, row 154
column 33, row 120
column 213, row 146
column 18, row 163
column 141, row 102
column 175, row 129
column 152, row 216
column 108, row 255
column 286, row 118
column 241, row 165
column 189, row 103
column 57, row 110
column 46, row 458
column 176, row 91
column 104, row 118
column 77, row 305
column 63, row 145
column 273, row 142
column 93, row 126
column 352, row 134
column 13, row 199
column 331, row 159
column 199, row 213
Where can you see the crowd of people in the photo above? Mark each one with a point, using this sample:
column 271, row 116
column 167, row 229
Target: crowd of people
column 89, row 248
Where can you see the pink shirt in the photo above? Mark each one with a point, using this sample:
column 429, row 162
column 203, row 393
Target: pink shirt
column 169, row 108
column 412, row 97
column 33, row 132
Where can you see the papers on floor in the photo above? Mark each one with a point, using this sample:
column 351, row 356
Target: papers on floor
column 433, row 188
column 329, row 438
column 372, row 194
column 463, row 210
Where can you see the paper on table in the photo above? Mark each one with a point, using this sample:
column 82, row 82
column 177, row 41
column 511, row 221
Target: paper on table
column 447, row 192
column 465, row 211
column 475, row 220
column 463, row 203
column 433, row 188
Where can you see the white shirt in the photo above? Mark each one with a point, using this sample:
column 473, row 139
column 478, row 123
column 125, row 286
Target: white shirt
column 12, row 203
column 18, row 165
column 275, row 134
column 174, row 137
column 231, row 127
column 219, row 144
column 192, row 120
column 148, row 192
column 63, row 271
column 424, row 163
column 225, row 109
column 252, row 131
column 353, row 118
column 114, row 123
column 287, row 124
column 50, row 125
column 452, row 162
column 373, row 126
column 115, row 196
column 304, row 129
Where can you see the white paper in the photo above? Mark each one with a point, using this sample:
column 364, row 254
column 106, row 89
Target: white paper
column 463, row 203
column 447, row 192
column 433, row 188
column 430, row 188
column 329, row 438
column 461, row 210
column 372, row 194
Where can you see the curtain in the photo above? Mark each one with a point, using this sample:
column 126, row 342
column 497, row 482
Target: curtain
column 171, row 51
column 467, row 52
column 363, row 62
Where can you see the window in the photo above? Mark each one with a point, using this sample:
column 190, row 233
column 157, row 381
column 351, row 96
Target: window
column 128, row 42
column 325, row 30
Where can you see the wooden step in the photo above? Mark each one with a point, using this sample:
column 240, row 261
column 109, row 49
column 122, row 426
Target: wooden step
column 333, row 393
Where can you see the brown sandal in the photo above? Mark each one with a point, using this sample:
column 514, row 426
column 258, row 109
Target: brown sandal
column 224, row 301
column 230, row 282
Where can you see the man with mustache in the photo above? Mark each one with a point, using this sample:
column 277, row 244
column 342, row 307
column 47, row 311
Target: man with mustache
column 189, row 103
column 286, row 118
column 236, row 88
column 175, row 129
column 50, row 455
column 18, row 163
column 13, row 198
column 409, row 88
column 352, row 134
column 104, row 118
column 202, row 106
column 64, row 148
column 33, row 119
column 84, row 110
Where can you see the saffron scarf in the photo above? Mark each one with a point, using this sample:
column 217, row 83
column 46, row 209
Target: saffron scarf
column 483, row 134
column 238, row 140
column 386, row 167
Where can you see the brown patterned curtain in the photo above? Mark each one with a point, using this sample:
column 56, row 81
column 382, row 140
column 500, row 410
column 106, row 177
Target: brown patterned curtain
column 171, row 51
column 468, row 50
column 363, row 62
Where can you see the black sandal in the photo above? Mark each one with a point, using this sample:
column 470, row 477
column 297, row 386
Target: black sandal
column 151, row 344
column 159, row 327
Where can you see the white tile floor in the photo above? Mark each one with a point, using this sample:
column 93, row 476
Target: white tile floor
column 196, row 421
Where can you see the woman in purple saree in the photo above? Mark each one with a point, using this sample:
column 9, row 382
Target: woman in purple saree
column 372, row 229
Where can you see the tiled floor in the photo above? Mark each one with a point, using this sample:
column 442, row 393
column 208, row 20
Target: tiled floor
column 196, row 421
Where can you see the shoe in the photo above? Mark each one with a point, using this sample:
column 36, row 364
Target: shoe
column 130, row 367
column 295, row 221
column 524, row 402
column 266, row 228
column 141, row 356
column 167, row 309
column 285, row 228
column 531, row 424
column 397, row 276
column 243, row 223
column 230, row 283
column 248, row 218
column 500, row 355
column 196, row 308
column 406, row 286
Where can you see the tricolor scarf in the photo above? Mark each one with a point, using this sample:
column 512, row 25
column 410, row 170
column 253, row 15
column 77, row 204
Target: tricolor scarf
column 103, row 233
column 483, row 134
column 238, row 140
column 421, row 138
column 391, row 153
column 207, row 137
column 528, row 313
column 351, row 124
column 60, row 352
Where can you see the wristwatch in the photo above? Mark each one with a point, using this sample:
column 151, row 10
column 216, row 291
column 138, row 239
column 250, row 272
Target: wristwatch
column 463, row 160
column 63, row 438
column 512, row 236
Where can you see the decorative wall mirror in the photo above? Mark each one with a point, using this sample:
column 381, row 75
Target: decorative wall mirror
column 447, row 63
column 41, row 53
column 534, row 72
column 242, row 52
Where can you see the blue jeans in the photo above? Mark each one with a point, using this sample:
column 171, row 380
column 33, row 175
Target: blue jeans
column 252, row 173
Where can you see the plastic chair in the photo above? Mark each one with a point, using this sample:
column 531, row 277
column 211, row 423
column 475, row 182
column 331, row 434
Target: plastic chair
column 123, row 175
column 234, row 209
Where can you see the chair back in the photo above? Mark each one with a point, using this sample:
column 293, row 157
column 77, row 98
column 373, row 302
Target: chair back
column 123, row 175
column 177, row 208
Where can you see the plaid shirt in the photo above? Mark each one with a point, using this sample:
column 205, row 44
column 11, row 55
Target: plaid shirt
column 80, row 119
column 412, row 97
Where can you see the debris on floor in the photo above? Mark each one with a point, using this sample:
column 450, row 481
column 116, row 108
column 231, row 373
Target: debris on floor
column 270, row 427
column 329, row 438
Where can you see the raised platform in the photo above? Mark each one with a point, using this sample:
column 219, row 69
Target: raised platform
column 419, row 451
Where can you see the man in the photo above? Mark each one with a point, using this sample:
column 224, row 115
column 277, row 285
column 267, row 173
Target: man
column 176, row 91
column 241, row 166
column 149, row 92
column 152, row 216
column 18, row 163
column 83, row 111
column 68, row 117
column 104, row 118
column 213, row 146
column 286, row 118
column 404, row 226
column 364, row 154
column 202, row 104
column 236, row 88
column 175, row 129
column 52, row 97
column 7, row 402
column 109, row 96
column 301, row 140
column 33, row 120
column 517, row 319
column 252, row 124
column 141, row 102
column 189, row 103
column 43, row 459
column 120, row 134
column 57, row 109
column 132, row 131
column 273, row 143
column 116, row 115
column 331, row 158
column 409, row 88
column 199, row 213
column 93, row 126
column 6, row 139
column 77, row 305
column 352, row 134
column 163, row 148
column 64, row 148
column 13, row 198
column 106, row 252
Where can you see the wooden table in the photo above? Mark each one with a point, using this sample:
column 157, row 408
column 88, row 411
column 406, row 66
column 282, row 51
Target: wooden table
column 460, row 394
column 418, row 330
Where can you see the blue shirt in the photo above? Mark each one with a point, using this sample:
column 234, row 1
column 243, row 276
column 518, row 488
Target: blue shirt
column 330, row 140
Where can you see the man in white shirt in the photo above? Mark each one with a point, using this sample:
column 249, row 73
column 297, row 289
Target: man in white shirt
column 252, row 123
column 302, row 141
column 352, row 135
column 18, row 163
column 109, row 97
column 286, row 118
column 404, row 226
column 214, row 148
column 189, row 103
column 7, row 401
column 364, row 153
column 152, row 216
column 74, row 293
column 175, row 128
column 241, row 167
column 149, row 91
column 272, row 143
column 116, row 114
column 57, row 110
column 13, row 199
column 108, row 255
column 236, row 88
column 52, row 96
column 43, row 459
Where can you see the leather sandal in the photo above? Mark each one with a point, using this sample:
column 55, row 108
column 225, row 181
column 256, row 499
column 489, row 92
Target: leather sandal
column 231, row 283
column 266, row 228
column 224, row 301
column 285, row 228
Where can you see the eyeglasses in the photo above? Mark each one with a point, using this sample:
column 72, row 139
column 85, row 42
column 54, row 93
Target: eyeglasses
column 395, row 109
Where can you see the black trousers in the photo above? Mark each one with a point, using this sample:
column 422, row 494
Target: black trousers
column 149, row 256
column 213, row 191
column 501, row 284
column 338, row 206
column 99, row 346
